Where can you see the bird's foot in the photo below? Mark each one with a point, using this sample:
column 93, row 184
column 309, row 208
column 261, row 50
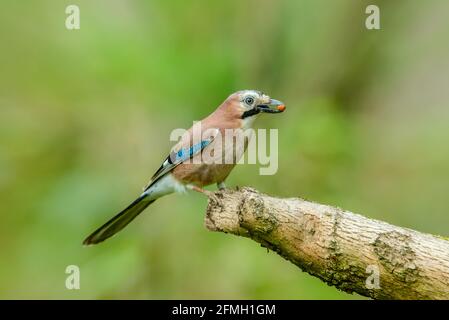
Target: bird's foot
column 221, row 186
column 211, row 195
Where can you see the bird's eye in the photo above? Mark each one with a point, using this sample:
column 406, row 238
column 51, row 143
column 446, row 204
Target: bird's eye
column 249, row 101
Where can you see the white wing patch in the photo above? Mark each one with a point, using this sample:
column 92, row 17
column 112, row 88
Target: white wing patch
column 177, row 157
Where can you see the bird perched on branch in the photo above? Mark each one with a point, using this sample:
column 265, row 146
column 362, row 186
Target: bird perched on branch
column 200, row 158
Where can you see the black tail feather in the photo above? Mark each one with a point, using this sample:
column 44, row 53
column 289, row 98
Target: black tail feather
column 119, row 221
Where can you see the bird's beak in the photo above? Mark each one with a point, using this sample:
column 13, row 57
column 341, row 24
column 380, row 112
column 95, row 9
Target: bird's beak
column 274, row 106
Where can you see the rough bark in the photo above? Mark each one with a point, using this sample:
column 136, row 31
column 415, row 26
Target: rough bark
column 341, row 248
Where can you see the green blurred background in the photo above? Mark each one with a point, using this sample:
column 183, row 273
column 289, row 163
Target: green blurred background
column 85, row 118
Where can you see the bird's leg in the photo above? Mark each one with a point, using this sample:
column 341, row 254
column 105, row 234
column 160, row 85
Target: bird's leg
column 221, row 185
column 197, row 189
column 208, row 193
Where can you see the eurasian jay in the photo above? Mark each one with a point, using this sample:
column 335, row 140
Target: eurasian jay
column 186, row 168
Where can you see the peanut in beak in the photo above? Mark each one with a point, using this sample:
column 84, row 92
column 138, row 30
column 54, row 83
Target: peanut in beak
column 281, row 108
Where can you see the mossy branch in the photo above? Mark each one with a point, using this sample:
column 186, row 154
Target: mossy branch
column 346, row 250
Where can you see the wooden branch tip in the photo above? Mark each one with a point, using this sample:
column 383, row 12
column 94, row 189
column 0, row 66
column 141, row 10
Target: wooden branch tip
column 343, row 249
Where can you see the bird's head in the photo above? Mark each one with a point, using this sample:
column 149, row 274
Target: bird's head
column 252, row 102
column 245, row 106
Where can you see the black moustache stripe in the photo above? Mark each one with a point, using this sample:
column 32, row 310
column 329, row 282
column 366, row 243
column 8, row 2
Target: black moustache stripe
column 250, row 112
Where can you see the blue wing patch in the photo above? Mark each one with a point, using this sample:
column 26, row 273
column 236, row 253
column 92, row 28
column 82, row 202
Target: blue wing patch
column 175, row 158
column 187, row 153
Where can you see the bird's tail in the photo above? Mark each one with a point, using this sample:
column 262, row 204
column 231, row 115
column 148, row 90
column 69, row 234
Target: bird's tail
column 120, row 221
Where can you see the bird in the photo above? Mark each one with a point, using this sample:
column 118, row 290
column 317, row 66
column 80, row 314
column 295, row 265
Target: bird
column 185, row 168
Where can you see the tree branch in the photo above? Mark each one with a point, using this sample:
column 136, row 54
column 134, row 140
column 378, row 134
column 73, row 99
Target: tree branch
column 341, row 248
